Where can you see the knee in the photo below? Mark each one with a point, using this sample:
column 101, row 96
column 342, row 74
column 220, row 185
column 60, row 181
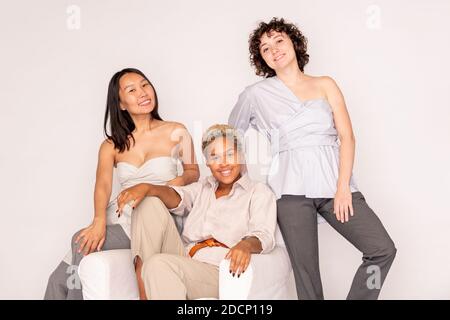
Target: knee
column 74, row 238
column 150, row 207
column 152, row 201
column 387, row 250
column 391, row 250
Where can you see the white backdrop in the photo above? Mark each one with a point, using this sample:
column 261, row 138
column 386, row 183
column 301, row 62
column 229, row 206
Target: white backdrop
column 390, row 59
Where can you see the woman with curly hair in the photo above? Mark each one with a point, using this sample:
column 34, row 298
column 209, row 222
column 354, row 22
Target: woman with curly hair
column 306, row 121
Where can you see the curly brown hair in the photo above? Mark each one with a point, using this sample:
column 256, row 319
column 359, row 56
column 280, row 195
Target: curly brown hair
column 279, row 25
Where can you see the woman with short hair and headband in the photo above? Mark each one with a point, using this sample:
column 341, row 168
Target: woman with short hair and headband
column 227, row 216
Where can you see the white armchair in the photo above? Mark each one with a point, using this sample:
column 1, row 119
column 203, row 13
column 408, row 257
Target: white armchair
column 110, row 275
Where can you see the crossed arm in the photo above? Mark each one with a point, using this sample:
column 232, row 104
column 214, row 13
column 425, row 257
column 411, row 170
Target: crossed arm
column 240, row 254
column 136, row 194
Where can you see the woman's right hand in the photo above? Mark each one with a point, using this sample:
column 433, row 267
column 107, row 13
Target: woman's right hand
column 93, row 237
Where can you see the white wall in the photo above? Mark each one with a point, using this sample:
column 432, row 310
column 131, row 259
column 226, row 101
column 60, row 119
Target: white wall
column 389, row 57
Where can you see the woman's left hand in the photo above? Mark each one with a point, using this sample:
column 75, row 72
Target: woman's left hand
column 343, row 204
column 135, row 194
column 240, row 256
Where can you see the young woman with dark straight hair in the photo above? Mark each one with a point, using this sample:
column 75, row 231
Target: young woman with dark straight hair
column 143, row 148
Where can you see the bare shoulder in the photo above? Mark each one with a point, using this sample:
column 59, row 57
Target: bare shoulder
column 169, row 125
column 329, row 87
column 327, row 83
column 322, row 81
column 176, row 131
column 177, row 127
column 107, row 148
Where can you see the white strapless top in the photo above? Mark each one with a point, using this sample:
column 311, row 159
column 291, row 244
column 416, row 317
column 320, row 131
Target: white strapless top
column 157, row 171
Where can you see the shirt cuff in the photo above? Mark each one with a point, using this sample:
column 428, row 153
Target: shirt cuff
column 267, row 244
column 179, row 210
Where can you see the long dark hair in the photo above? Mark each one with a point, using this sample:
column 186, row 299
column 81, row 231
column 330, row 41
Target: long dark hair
column 120, row 123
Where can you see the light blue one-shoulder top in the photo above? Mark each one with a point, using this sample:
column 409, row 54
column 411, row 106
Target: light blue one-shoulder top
column 303, row 138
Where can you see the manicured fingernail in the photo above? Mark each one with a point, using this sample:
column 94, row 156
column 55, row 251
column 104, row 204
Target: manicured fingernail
column 239, row 275
column 234, row 274
column 230, row 271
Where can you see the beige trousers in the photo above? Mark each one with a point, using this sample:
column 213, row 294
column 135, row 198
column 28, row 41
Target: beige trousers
column 168, row 272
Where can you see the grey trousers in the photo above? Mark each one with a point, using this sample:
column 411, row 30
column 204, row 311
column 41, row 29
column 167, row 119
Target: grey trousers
column 63, row 283
column 297, row 218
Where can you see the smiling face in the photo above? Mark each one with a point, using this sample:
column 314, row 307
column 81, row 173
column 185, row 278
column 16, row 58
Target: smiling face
column 277, row 50
column 136, row 94
column 224, row 160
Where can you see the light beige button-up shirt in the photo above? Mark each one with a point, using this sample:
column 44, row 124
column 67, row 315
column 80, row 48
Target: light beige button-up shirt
column 248, row 210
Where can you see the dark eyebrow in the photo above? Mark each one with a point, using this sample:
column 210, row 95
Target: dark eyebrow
column 274, row 36
column 130, row 85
